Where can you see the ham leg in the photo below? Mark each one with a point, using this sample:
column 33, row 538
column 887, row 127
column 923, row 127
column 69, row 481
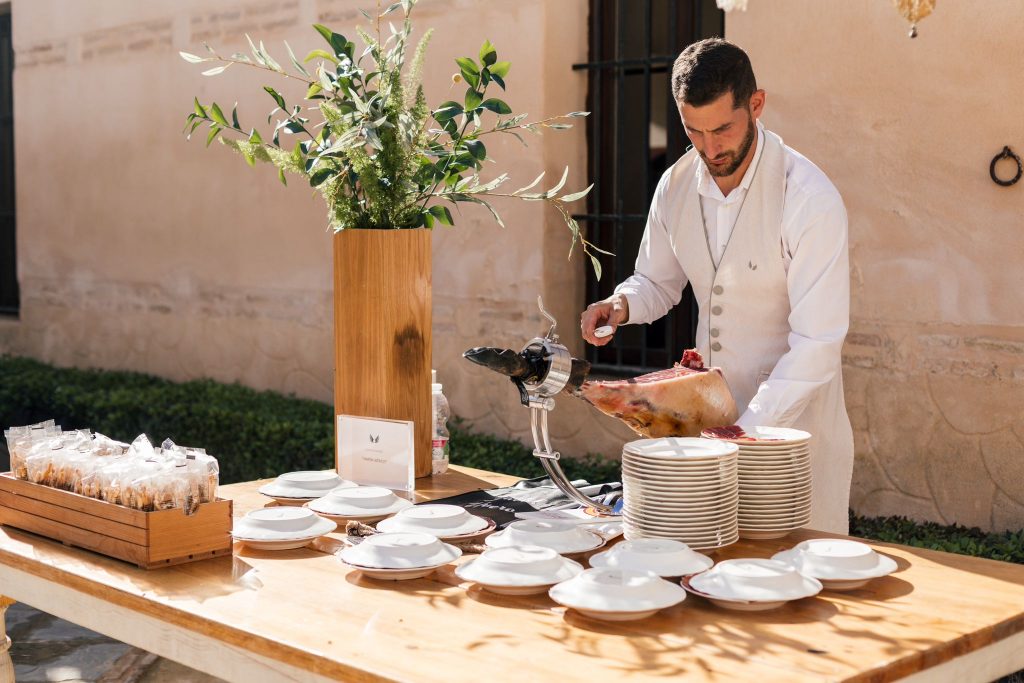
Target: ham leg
column 681, row 401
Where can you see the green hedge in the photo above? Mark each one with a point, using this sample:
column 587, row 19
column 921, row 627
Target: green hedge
column 257, row 434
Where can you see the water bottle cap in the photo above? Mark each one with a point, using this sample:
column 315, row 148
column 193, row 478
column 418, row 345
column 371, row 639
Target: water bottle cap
column 435, row 387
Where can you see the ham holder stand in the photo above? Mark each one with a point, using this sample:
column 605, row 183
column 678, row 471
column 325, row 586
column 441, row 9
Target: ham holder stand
column 541, row 370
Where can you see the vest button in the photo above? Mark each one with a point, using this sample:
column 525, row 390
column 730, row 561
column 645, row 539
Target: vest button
column 716, row 346
column 718, row 289
column 716, row 310
column 714, row 332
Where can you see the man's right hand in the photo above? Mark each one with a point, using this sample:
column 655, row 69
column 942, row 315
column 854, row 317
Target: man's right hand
column 612, row 311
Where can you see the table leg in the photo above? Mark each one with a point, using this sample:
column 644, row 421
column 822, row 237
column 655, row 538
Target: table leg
column 6, row 665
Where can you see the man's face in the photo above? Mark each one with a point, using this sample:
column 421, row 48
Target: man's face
column 722, row 135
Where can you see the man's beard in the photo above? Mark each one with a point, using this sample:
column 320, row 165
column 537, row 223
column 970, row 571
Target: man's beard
column 737, row 157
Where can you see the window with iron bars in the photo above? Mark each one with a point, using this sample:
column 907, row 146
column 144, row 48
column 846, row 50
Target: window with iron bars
column 8, row 272
column 633, row 135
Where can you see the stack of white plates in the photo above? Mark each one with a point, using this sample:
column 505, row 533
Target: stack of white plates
column 775, row 480
column 683, row 489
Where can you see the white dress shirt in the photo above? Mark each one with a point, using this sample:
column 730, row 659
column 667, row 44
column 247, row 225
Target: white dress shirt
column 720, row 211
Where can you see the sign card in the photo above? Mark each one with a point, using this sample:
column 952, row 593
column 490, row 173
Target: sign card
column 376, row 452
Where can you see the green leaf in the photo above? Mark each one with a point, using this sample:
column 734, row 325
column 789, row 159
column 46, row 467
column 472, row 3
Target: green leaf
column 217, row 115
column 295, row 61
column 577, row 195
column 500, row 69
column 249, row 158
column 442, row 214
column 473, row 99
column 467, row 64
column 277, row 97
column 496, row 105
column 216, row 70
column 255, row 137
column 447, row 111
column 477, row 200
column 269, row 60
column 280, row 176
column 199, row 108
column 323, row 54
column 188, row 57
column 314, row 90
column 477, row 149
column 561, row 183
column 320, row 177
column 337, row 41
column 578, row 114
column 234, row 117
column 428, row 220
column 499, row 80
column 597, row 266
column 488, row 55
column 212, row 135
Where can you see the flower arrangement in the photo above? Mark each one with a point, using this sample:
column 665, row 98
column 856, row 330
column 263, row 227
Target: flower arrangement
column 369, row 143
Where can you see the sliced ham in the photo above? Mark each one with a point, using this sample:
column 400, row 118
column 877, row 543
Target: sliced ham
column 681, row 401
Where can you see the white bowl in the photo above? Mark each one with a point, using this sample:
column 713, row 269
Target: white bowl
column 663, row 557
column 755, row 580
column 439, row 520
column 281, row 524
column 563, row 537
column 521, row 570
column 359, row 502
column 399, row 550
column 305, row 485
column 617, row 594
column 838, row 563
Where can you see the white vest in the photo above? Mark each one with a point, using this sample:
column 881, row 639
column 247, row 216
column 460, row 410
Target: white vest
column 743, row 324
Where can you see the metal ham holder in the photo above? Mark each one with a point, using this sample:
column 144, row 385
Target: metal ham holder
column 540, row 371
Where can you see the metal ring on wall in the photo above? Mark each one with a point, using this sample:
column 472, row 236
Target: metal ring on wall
column 1005, row 154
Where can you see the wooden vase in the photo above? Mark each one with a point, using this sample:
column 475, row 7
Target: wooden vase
column 382, row 330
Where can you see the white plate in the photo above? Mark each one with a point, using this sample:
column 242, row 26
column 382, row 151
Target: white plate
column 440, row 520
column 304, row 485
column 399, row 550
column 755, row 580
column 289, row 544
column 839, row 562
column 616, row 594
column 680, row 477
column 563, row 537
column 392, row 574
column 280, row 524
column 518, row 570
column 360, row 502
column 661, row 556
column 686, row 519
column 767, row 435
column 738, row 605
column 679, row 449
column 634, row 484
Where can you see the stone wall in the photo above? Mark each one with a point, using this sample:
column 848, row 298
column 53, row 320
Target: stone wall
column 934, row 363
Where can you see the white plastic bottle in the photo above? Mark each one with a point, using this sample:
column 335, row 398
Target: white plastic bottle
column 441, row 413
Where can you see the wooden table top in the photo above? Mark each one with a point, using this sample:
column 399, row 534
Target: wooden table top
column 303, row 607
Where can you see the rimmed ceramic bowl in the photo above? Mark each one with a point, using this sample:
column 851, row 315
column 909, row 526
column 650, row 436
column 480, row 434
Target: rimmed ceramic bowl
column 617, row 594
column 564, row 538
column 280, row 528
column 763, row 584
column 663, row 557
column 443, row 521
column 361, row 503
column 524, row 570
column 296, row 488
column 838, row 563
column 399, row 551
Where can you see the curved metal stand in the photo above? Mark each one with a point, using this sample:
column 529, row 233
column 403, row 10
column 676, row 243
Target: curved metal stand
column 539, row 409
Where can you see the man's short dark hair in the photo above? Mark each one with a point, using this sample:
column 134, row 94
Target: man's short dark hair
column 708, row 69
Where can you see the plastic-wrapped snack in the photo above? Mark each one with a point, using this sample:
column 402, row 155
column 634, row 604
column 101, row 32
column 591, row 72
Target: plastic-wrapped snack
column 20, row 440
column 208, row 473
column 104, row 446
column 39, row 462
column 67, row 462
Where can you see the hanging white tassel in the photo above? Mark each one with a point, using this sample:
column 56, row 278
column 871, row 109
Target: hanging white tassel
column 730, row 5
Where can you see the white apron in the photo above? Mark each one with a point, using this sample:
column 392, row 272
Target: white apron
column 744, row 309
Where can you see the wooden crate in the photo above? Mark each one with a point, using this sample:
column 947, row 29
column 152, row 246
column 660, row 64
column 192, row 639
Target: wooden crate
column 148, row 539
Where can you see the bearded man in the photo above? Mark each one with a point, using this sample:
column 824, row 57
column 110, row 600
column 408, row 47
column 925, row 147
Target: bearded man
column 761, row 234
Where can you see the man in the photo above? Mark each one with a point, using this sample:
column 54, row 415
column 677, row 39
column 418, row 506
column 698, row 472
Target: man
column 760, row 232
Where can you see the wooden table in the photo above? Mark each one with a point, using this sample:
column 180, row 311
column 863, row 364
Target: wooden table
column 300, row 616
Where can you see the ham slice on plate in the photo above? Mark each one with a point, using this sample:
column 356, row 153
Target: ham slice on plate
column 681, row 401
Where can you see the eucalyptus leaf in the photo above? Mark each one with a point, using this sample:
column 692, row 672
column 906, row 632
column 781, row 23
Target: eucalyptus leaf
column 295, row 61
column 531, row 185
column 277, row 96
column 194, row 59
column 577, row 114
column 216, row 70
column 561, row 183
column 576, row 195
column 597, row 266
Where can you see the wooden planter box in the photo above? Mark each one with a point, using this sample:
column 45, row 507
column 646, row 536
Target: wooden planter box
column 148, row 539
column 382, row 330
